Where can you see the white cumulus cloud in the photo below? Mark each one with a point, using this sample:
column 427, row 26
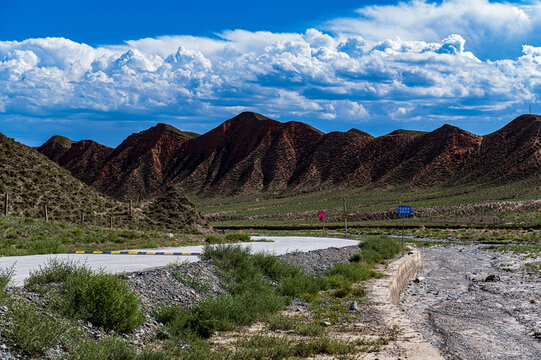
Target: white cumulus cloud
column 395, row 66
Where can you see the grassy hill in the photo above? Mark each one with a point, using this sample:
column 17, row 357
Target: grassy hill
column 32, row 182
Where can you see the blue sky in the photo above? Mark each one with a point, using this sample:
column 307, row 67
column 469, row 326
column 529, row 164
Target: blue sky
column 104, row 69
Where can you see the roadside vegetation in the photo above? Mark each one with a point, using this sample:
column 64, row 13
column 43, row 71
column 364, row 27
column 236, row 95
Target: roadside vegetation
column 27, row 236
column 528, row 250
column 68, row 297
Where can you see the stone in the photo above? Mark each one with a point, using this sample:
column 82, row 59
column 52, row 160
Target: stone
column 325, row 323
column 492, row 278
column 354, row 306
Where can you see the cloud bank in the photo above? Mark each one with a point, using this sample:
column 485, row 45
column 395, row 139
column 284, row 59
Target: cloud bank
column 413, row 63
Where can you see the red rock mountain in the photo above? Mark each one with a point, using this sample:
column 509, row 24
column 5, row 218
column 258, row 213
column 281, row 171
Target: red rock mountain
column 84, row 159
column 252, row 153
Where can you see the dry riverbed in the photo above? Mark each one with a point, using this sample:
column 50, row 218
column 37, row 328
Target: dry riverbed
column 473, row 303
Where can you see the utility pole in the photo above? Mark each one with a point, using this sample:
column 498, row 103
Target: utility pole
column 345, row 219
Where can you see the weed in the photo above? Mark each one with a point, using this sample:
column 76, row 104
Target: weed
column 31, row 329
column 213, row 240
column 103, row 299
column 110, row 348
column 351, row 272
column 282, row 322
column 279, row 347
column 309, row 329
column 383, row 247
column 237, row 237
column 55, row 271
column 302, row 285
column 6, row 274
column 341, row 293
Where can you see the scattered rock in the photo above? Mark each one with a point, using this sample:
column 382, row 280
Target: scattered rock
column 354, row 306
column 492, row 278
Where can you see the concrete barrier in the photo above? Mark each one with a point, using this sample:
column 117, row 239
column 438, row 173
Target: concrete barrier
column 384, row 293
column 407, row 270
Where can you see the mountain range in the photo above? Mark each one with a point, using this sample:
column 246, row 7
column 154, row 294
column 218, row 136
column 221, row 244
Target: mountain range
column 252, row 153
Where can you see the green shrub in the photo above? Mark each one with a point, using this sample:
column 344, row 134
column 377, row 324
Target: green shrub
column 280, row 347
column 153, row 355
column 302, row 284
column 230, row 258
column 213, row 240
column 237, row 237
column 341, row 293
column 309, row 329
column 385, row 247
column 6, row 275
column 273, row 267
column 46, row 246
column 351, row 272
column 108, row 349
column 31, row 329
column 103, row 299
column 282, row 322
column 55, row 271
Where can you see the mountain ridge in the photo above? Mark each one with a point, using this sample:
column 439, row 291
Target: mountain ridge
column 252, row 153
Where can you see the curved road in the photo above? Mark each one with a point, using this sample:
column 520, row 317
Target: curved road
column 22, row 265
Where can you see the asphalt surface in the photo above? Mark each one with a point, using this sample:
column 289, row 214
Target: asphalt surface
column 112, row 263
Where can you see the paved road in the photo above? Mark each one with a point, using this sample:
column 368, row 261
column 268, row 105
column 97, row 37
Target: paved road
column 127, row 263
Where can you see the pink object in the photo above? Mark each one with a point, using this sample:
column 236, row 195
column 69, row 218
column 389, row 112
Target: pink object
column 321, row 215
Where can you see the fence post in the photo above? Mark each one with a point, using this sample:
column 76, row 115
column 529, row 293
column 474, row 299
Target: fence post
column 82, row 217
column 6, row 203
column 45, row 212
column 131, row 208
column 111, row 222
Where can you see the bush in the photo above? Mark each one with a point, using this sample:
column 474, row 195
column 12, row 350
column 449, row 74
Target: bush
column 385, row 247
column 280, row 347
column 103, row 299
column 302, row 284
column 108, row 349
column 6, row 275
column 341, row 293
column 238, row 237
column 56, row 271
column 351, row 272
column 368, row 256
column 32, row 330
column 230, row 258
column 213, row 240
column 282, row 322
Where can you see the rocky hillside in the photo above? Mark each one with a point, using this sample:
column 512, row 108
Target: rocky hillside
column 33, row 181
column 252, row 153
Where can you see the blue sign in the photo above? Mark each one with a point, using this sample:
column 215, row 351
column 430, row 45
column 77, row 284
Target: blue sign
column 404, row 210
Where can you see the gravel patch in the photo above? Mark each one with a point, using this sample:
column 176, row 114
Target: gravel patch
column 477, row 304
